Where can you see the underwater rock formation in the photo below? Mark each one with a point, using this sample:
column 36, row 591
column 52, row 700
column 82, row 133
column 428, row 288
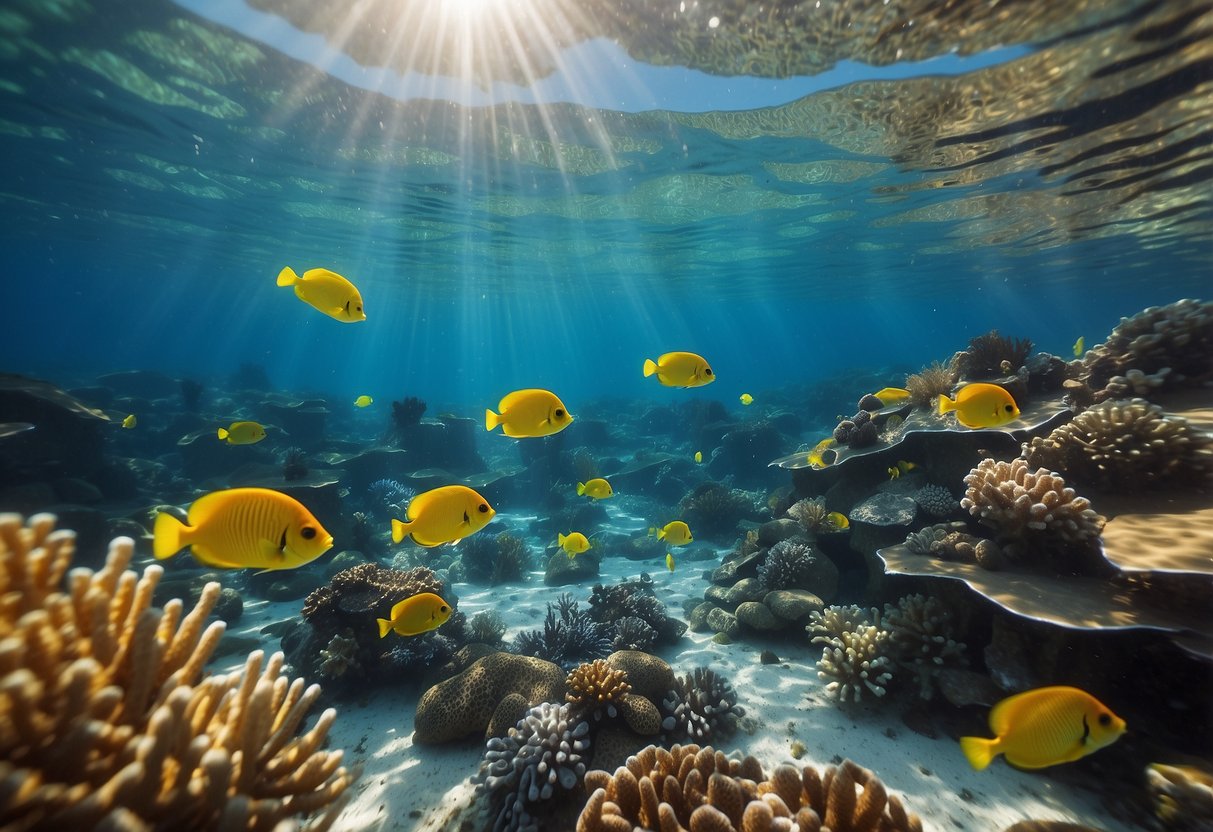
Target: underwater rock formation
column 117, row 725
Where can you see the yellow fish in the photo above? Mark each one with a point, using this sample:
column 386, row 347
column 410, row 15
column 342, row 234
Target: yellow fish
column 1043, row 727
column 838, row 521
column 130, row 421
column 363, row 401
column 244, row 527
column 443, row 515
column 529, row 413
column 680, row 369
column 242, row 433
column 981, row 405
column 892, row 395
column 699, row 456
column 816, row 457
column 597, row 488
column 675, row 533
column 747, row 399
column 669, row 561
column 1078, row 347
column 415, row 615
column 326, row 291
column 902, row 467
column 573, row 543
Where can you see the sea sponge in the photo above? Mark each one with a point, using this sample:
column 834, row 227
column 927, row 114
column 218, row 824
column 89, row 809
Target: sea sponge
column 695, row 788
column 936, row 500
column 466, row 703
column 538, row 759
column 1034, row 512
column 109, row 721
column 1177, row 337
column 1125, row 445
column 595, row 688
column 922, row 638
column 930, row 382
column 701, row 705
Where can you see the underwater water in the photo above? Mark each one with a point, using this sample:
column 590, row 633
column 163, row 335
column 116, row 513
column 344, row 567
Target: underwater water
column 821, row 199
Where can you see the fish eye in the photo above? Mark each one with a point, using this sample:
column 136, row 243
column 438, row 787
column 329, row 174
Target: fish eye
column 444, row 608
column 707, row 371
column 1009, row 408
column 560, row 413
column 1105, row 720
column 484, row 508
column 307, row 532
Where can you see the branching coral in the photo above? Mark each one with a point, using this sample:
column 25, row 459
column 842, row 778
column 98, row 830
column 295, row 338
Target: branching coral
column 992, row 354
column 569, row 636
column 408, row 411
column 609, row 605
column 702, row 789
column 930, row 382
column 539, row 758
column 702, row 705
column 855, row 654
column 1034, row 512
column 108, row 721
column 791, row 564
column 486, row 627
column 811, row 514
column 921, row 636
column 1126, row 445
column 495, row 560
column 1177, row 337
column 634, row 633
column 387, row 498
column 595, row 689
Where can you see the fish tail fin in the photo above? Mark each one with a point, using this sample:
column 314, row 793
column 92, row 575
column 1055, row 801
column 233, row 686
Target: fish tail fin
column 661, row 534
column 223, row 434
column 978, row 750
column 946, row 405
column 166, row 536
column 399, row 530
column 650, row 367
column 491, row 419
column 580, row 489
column 560, row 539
column 385, row 627
column 287, row 277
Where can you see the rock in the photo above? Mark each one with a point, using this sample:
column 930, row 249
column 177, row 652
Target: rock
column 756, row 615
column 291, row 586
column 740, row 566
column 562, row 569
column 68, row 437
column 718, row 595
column 767, row 657
column 773, row 531
column 885, row 510
column 230, row 606
column 967, row 687
column 722, row 621
column 344, row 559
column 697, row 620
column 721, row 638
column 792, row 604
column 747, row 589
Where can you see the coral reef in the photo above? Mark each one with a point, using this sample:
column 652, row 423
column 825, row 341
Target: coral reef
column 569, row 636
column 1183, row 797
column 1035, row 515
column 1125, row 445
column 634, row 633
column 611, row 605
column 338, row 657
column 854, row 659
column 294, row 464
column 1176, row 338
column 936, row 500
column 487, row 627
column 110, row 721
column 811, row 514
column 388, row 498
column 536, row 760
column 495, row 560
column 689, row 787
column 713, row 510
column 921, row 636
column 486, row 698
column 595, row 688
column 929, row 383
column 367, row 589
column 701, row 705
column 407, row 412
column 992, row 354
column 791, row 564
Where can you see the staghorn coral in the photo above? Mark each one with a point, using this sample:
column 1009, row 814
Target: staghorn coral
column 1125, row 445
column 1034, row 513
column 108, row 721
column 930, row 382
column 595, row 688
column 992, row 354
column 539, row 758
column 695, row 788
column 790, row 564
column 701, row 705
column 936, row 500
column 921, row 638
column 1177, row 338
column 569, row 636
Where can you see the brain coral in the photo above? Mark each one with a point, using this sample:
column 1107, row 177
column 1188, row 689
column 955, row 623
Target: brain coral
column 1125, row 445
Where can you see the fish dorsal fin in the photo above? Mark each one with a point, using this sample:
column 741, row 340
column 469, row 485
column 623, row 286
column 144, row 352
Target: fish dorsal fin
column 323, row 274
column 207, row 506
column 422, row 502
column 1003, row 713
column 514, row 398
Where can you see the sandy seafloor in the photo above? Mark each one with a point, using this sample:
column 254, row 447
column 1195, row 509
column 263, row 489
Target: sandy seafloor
column 417, row 787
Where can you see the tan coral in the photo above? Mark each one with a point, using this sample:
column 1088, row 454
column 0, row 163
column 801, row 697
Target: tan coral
column 595, row 686
column 106, row 720
column 1170, row 345
column 688, row 787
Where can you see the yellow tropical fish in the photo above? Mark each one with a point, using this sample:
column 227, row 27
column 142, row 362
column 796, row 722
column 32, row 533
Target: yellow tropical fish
column 244, row 527
column 573, row 543
column 363, row 401
column 816, row 457
column 981, row 405
column 443, row 515
column 902, row 467
column 892, row 395
column 415, row 615
column 130, row 421
column 747, row 399
column 675, row 533
column 1078, row 347
column 529, row 413
column 326, row 291
column 699, row 456
column 680, row 369
column 1043, row 727
column 838, row 521
column 669, row 561
column 597, row 488
column 242, row 433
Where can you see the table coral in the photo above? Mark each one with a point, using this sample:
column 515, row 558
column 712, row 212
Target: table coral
column 689, row 787
column 108, row 721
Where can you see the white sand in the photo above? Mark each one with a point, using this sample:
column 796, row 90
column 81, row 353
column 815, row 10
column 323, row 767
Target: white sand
column 408, row 787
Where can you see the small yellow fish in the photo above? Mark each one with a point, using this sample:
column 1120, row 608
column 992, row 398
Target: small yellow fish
column 242, row 433
column 747, row 399
column 529, row 413
column 363, row 401
column 680, row 369
column 669, row 561
column 1078, row 347
column 892, row 395
column 837, row 521
column 699, row 456
column 573, row 543
column 981, row 405
column 816, row 457
column 130, row 421
column 1043, row 727
column 415, row 615
column 597, row 488
column 443, row 515
column 902, row 467
column 326, row 291
column 675, row 533
column 244, row 527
